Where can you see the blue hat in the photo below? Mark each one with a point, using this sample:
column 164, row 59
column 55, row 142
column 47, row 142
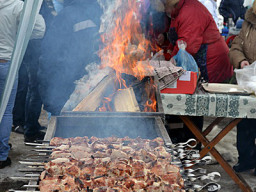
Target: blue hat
column 239, row 23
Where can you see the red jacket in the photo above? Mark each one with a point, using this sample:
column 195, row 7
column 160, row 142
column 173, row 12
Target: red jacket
column 195, row 25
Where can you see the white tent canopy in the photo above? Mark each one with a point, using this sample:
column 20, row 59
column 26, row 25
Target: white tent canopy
column 30, row 10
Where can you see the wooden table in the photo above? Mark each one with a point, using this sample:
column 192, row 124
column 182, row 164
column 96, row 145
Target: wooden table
column 219, row 106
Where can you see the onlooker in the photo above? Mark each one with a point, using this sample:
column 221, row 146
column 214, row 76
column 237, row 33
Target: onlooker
column 20, row 101
column 33, row 106
column 248, row 3
column 32, row 128
column 192, row 23
column 10, row 12
column 28, row 103
column 243, row 53
column 69, row 45
column 211, row 5
column 232, row 9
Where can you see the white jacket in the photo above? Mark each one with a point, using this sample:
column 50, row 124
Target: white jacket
column 211, row 5
column 10, row 13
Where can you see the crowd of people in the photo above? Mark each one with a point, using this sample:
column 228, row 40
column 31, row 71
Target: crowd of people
column 63, row 43
column 66, row 38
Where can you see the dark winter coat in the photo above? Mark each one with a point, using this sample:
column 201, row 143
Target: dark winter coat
column 193, row 24
column 244, row 45
column 232, row 9
column 70, row 44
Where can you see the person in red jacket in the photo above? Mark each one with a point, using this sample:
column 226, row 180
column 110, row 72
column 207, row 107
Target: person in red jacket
column 193, row 23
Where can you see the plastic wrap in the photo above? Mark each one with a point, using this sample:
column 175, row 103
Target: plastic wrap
column 246, row 78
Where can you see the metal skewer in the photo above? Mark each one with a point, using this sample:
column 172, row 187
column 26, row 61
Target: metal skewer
column 30, row 186
column 25, row 178
column 191, row 143
column 214, row 176
column 32, row 163
column 198, row 170
column 22, row 191
column 31, row 170
column 42, row 150
column 45, row 147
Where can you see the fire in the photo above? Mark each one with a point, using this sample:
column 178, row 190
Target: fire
column 125, row 46
column 150, row 104
column 105, row 104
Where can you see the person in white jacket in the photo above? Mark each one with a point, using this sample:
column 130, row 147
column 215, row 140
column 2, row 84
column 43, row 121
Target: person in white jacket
column 211, row 5
column 10, row 15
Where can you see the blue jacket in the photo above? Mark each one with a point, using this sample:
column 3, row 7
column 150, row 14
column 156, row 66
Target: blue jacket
column 70, row 44
column 232, row 9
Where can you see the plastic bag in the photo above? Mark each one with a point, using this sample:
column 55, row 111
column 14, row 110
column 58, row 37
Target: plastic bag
column 246, row 78
column 184, row 59
column 159, row 56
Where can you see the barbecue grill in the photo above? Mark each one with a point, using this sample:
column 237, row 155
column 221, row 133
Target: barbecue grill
column 146, row 125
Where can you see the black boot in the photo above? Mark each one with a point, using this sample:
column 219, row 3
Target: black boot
column 33, row 139
column 5, row 163
column 244, row 166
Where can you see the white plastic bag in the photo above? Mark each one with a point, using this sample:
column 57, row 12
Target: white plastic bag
column 246, row 78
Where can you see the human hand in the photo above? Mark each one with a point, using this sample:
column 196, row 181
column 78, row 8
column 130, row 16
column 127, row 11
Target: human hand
column 244, row 63
column 160, row 39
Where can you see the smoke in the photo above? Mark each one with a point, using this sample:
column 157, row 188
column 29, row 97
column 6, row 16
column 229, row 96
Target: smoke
column 85, row 85
column 94, row 74
column 70, row 43
column 107, row 126
column 109, row 123
column 108, row 18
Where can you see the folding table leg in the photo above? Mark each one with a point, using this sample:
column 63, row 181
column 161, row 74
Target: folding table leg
column 209, row 147
column 211, row 126
column 220, row 135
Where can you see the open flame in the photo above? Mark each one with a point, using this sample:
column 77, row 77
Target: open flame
column 126, row 48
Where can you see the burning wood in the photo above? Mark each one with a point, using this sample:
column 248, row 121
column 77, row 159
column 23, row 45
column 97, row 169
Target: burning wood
column 125, row 49
column 106, row 96
column 125, row 100
column 111, row 164
column 93, row 100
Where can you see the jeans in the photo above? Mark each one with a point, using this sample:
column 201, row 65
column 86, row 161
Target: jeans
column 6, row 123
column 246, row 134
column 20, row 101
column 33, row 103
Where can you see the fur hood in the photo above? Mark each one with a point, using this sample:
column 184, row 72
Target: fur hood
column 250, row 17
column 254, row 7
column 171, row 3
column 157, row 5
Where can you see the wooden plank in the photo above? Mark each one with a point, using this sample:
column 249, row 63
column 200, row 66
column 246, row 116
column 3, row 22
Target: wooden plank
column 51, row 128
column 125, row 101
column 94, row 99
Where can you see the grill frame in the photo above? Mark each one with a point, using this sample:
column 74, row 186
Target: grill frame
column 55, row 123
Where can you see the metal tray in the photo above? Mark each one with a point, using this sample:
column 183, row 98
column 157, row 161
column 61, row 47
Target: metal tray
column 224, row 88
column 146, row 127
